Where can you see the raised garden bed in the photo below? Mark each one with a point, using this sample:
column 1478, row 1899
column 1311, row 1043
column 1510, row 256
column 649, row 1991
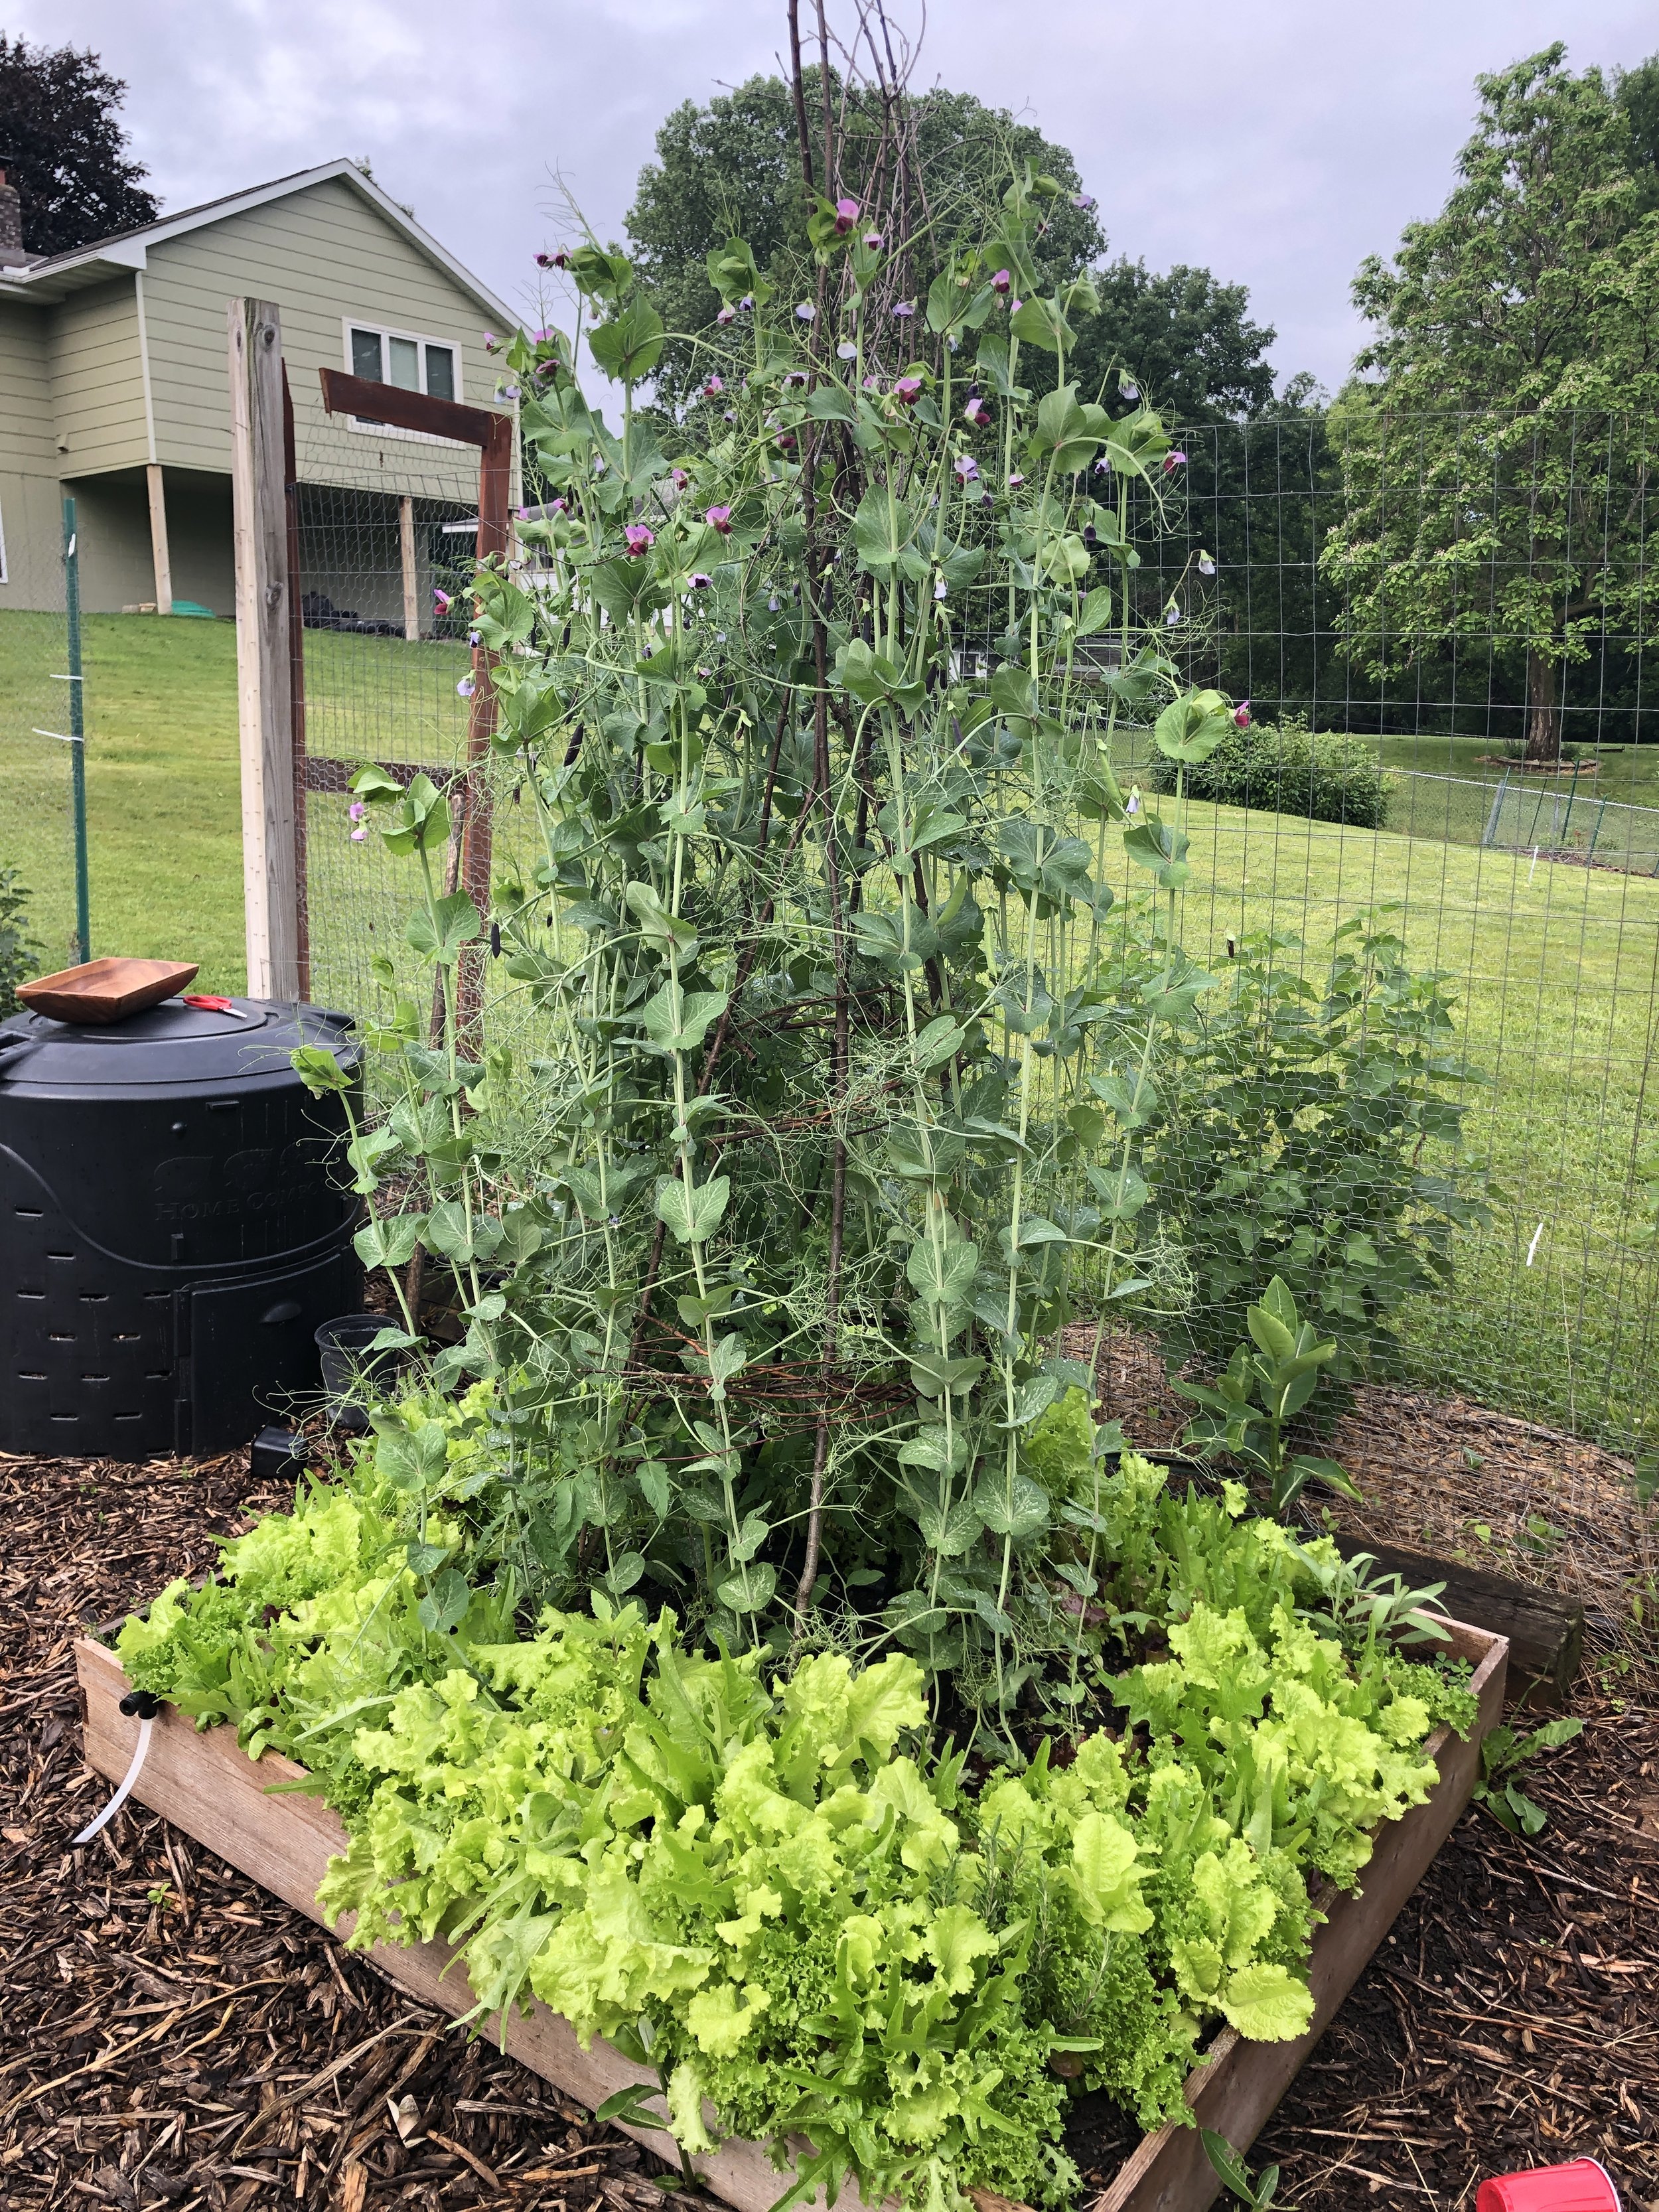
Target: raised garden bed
column 207, row 1786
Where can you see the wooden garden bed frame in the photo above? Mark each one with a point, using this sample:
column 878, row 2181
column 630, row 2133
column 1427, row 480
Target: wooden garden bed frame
column 207, row 1787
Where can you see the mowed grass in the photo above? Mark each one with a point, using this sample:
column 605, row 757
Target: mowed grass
column 1555, row 969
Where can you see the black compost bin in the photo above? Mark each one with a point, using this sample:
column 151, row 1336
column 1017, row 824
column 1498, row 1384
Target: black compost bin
column 173, row 1227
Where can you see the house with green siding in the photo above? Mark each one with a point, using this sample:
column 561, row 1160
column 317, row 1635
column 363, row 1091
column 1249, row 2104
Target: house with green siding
column 114, row 384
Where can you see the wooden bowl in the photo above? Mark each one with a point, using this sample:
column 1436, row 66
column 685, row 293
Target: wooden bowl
column 106, row 990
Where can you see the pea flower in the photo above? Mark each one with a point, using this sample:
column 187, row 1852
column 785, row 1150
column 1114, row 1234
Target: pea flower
column 1082, row 202
column 726, row 315
column 806, row 312
column 976, row 415
column 718, row 518
column 1132, row 804
column 1002, row 284
column 1242, row 715
column 872, row 384
column 874, row 240
column 904, row 307
column 559, row 258
column 507, row 392
column 787, row 442
column 1014, row 305
column 967, row 468
column 1103, row 465
column 466, row 687
column 1015, row 481
column 795, row 376
column 1130, row 389
column 699, row 581
column 773, row 604
column 357, row 810
column 1206, row 565
column 1171, row 615
column 1173, row 461
column 846, row 213
column 440, row 600
column 492, row 344
column 940, row 589
column 731, row 415
column 639, row 539
column 846, row 350
column 907, row 389
column 679, row 478
column 558, row 507
column 714, row 385
column 474, row 637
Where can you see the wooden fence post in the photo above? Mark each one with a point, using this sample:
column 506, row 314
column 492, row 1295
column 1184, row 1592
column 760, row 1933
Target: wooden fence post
column 263, row 649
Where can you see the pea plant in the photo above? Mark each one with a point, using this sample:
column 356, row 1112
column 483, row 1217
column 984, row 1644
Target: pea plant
column 850, row 1064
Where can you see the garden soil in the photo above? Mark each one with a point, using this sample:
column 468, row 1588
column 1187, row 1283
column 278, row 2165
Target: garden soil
column 173, row 2035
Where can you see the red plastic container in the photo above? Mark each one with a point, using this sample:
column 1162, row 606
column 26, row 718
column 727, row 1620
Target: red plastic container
column 1582, row 2186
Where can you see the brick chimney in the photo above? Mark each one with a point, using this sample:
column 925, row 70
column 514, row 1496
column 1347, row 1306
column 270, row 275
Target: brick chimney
column 12, row 255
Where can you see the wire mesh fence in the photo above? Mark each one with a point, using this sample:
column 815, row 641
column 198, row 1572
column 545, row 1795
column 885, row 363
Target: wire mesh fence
column 37, row 732
column 1463, row 605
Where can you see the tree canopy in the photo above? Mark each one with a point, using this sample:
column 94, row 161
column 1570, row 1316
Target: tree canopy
column 732, row 167
column 68, row 156
column 1492, row 455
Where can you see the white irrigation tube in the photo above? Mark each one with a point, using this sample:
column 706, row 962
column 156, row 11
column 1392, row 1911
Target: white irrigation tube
column 1533, row 1247
column 121, row 1795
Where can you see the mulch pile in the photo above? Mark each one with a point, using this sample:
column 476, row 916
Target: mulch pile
column 171, row 2035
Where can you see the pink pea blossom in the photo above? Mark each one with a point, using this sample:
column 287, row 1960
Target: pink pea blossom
column 678, row 479
column 1015, row 481
column 559, row 258
column 699, row 581
column 976, row 415
column 967, row 468
column 639, row 539
column 846, row 213
column 1242, row 714
column 714, row 386
column 440, row 600
column 718, row 518
column 1002, row 284
column 907, row 389
column 558, row 507
column 726, row 315
column 874, row 240
column 1173, row 461
column 357, row 810
column 492, row 344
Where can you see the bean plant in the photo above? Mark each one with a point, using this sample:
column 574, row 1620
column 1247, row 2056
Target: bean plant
column 853, row 1051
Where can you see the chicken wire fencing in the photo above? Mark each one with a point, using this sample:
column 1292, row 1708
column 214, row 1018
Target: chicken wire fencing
column 1441, row 626
column 39, row 734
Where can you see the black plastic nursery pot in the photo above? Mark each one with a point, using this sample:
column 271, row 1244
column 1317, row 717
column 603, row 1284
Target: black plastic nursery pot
column 206, row 1786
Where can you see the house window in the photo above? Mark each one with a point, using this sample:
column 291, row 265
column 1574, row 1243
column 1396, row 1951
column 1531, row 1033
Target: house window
column 404, row 359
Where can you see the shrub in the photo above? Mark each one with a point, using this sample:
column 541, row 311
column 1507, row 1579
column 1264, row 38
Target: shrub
column 1294, row 1138
column 1290, row 769
column 17, row 949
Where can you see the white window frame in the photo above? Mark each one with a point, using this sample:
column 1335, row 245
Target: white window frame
column 422, row 339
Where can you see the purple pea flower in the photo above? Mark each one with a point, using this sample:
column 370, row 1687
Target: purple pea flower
column 1103, row 465
column 1171, row 616
column 806, row 312
column 1015, row 481
column 474, row 637
column 1082, row 202
column 846, row 350
column 726, row 315
column 1014, row 305
column 639, row 539
column 787, row 442
column 1002, row 284
column 746, row 305
column 902, row 307
column 846, row 213
column 976, row 415
column 440, row 600
column 872, row 384
column 699, row 581
column 907, row 389
column 795, row 376
column 967, row 468
column 679, row 478
column 466, row 687
column 731, row 415
column 358, row 837
column 874, row 240
column 1242, row 715
column 1132, row 804
column 714, row 385
column 1173, row 461
column 718, row 518
column 357, row 810
column 1206, row 565
column 1130, row 389
column 558, row 507
column 491, row 342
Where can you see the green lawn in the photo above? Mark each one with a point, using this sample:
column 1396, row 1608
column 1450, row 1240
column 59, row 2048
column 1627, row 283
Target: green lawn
column 1556, row 966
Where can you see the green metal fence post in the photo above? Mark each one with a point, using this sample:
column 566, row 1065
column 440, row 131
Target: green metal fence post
column 77, row 733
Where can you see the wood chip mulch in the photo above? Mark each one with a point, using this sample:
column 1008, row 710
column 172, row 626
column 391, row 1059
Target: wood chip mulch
column 172, row 2035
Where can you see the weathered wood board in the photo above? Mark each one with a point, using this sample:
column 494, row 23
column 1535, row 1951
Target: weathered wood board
column 207, row 1787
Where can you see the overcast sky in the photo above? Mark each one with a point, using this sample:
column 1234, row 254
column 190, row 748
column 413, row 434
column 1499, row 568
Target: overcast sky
column 1276, row 143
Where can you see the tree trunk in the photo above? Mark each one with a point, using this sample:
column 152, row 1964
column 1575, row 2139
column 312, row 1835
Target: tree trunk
column 1543, row 714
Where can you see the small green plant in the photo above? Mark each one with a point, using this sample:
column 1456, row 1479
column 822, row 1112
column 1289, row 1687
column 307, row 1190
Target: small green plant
column 1503, row 1751
column 1248, row 1411
column 1366, row 1604
column 1235, row 2175
column 17, row 949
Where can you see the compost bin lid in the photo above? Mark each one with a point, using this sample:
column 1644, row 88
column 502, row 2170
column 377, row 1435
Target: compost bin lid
column 170, row 1044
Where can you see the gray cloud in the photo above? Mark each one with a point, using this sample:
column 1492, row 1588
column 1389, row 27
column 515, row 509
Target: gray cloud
column 1276, row 144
